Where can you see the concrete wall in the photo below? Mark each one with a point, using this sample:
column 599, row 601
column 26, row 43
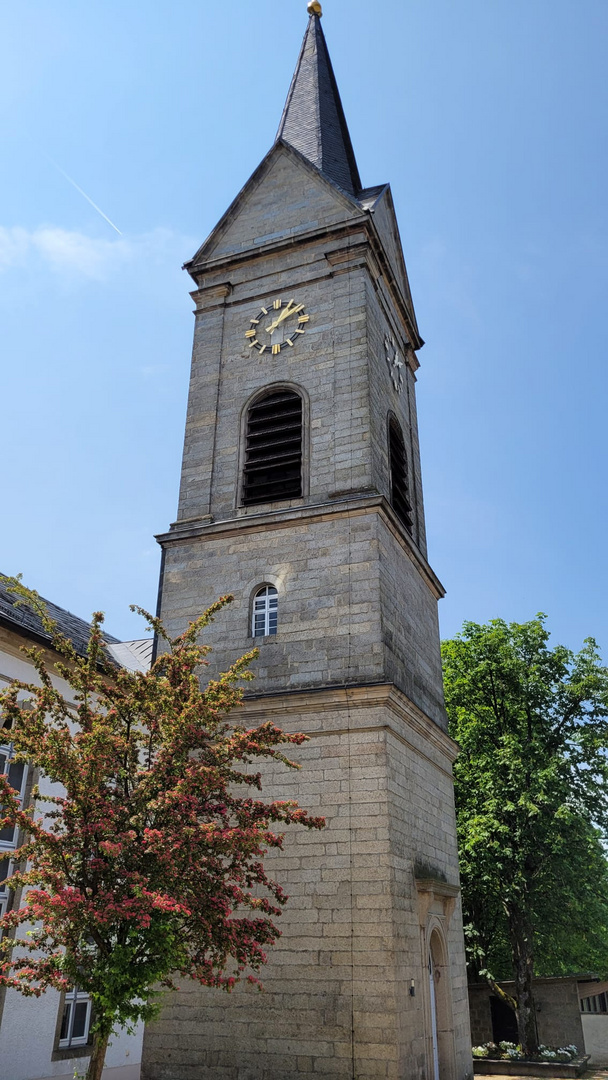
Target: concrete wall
column 595, row 1033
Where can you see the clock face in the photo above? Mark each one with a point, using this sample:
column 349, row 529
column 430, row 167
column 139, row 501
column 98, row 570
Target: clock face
column 394, row 362
column 277, row 327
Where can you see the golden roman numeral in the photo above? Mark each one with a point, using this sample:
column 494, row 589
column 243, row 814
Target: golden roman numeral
column 252, row 343
column 264, row 311
column 304, row 318
column 250, row 333
column 263, row 349
column 290, row 342
column 277, row 305
column 254, row 322
column 298, row 331
column 276, row 350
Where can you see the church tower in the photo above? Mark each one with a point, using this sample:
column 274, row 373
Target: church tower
column 301, row 494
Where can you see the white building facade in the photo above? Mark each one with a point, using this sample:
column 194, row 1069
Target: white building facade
column 49, row 1037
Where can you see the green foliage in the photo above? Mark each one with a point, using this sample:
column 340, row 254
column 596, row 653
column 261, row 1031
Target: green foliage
column 531, row 796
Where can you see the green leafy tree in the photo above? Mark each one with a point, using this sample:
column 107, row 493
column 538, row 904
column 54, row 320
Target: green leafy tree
column 532, row 804
column 151, row 862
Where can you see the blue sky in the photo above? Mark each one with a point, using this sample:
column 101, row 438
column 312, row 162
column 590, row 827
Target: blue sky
column 489, row 119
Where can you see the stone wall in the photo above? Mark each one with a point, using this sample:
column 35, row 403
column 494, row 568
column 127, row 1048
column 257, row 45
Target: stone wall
column 354, row 606
column 337, row 999
column 355, row 662
column 558, row 1014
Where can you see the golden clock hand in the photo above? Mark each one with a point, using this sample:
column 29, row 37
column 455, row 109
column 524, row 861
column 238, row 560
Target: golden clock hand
column 289, row 310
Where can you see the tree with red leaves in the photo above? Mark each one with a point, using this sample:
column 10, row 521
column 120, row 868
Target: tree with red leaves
column 150, row 865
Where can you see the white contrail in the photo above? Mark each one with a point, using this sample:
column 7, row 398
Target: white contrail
column 83, row 193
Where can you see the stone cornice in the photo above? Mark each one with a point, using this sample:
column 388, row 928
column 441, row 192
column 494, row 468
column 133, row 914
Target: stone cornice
column 367, row 253
column 211, row 296
column 436, row 886
column 346, row 698
column 201, row 529
column 433, row 893
column 287, row 243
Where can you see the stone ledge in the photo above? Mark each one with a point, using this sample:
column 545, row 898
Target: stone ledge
column 304, row 515
column 321, row 700
column 519, row 1069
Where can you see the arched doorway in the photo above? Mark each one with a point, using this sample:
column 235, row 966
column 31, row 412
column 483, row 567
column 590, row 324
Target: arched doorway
column 442, row 1033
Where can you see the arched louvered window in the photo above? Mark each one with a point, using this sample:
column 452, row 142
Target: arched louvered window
column 273, row 452
column 399, row 475
column 265, row 612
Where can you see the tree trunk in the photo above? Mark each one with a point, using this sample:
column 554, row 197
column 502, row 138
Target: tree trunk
column 98, row 1057
column 522, row 945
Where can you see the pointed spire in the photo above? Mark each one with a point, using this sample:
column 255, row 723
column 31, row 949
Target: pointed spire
column 313, row 120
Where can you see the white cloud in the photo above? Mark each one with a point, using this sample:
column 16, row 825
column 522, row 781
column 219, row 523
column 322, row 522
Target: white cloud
column 76, row 254
column 74, row 251
column 14, row 244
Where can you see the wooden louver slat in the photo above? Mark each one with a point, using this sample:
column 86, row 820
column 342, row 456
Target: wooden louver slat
column 399, row 478
column 273, row 455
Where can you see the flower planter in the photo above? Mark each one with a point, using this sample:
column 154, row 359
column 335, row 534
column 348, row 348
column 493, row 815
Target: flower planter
column 549, row 1069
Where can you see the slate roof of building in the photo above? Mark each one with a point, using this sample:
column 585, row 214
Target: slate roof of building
column 313, row 120
column 20, row 616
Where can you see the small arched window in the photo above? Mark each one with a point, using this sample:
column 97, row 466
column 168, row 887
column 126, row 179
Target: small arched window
column 273, row 452
column 265, row 612
column 399, row 475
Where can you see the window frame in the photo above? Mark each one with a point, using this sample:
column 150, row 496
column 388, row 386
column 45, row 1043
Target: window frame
column 394, row 434
column 4, row 890
column 268, row 594
column 70, row 1000
column 8, row 753
column 240, row 505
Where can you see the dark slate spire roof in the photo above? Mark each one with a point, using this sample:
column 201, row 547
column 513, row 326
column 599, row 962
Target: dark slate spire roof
column 313, row 121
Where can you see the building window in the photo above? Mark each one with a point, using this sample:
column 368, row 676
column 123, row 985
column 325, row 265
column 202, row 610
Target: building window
column 265, row 612
column 399, row 475
column 76, row 1019
column 4, row 876
column 16, row 774
column 273, row 451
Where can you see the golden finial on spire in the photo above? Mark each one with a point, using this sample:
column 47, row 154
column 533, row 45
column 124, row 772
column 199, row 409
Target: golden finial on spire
column 314, row 8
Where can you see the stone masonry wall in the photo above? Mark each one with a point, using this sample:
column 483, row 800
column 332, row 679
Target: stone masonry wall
column 410, row 628
column 423, row 830
column 355, row 662
column 336, row 1000
column 558, row 1012
column 386, row 399
column 329, row 362
column 353, row 607
column 326, row 574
